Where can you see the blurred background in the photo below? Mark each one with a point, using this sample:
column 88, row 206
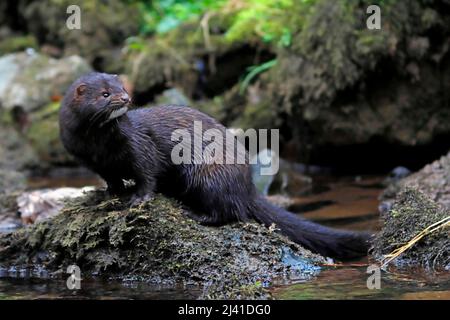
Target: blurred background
column 343, row 96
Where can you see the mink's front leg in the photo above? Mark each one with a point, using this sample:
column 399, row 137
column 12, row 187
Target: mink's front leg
column 145, row 191
column 146, row 167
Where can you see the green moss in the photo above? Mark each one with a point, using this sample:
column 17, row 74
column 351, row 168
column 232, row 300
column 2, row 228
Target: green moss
column 43, row 135
column 411, row 213
column 105, row 26
column 259, row 116
column 155, row 242
column 17, row 43
column 5, row 118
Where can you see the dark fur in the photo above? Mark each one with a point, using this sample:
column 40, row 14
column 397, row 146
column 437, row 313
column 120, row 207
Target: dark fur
column 138, row 146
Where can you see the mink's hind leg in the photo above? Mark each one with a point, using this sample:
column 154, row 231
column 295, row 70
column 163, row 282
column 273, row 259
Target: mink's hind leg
column 144, row 191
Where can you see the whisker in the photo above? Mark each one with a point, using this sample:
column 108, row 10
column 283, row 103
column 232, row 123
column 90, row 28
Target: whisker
column 95, row 117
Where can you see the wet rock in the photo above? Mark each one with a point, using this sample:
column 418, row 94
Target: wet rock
column 38, row 205
column 411, row 204
column 157, row 242
column 433, row 180
column 291, row 180
column 30, row 80
column 412, row 212
column 12, row 183
column 396, row 174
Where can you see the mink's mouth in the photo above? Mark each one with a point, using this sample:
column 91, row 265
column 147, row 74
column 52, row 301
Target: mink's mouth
column 118, row 112
column 108, row 113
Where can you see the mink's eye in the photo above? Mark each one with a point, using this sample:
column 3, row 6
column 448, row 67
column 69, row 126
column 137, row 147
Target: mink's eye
column 105, row 94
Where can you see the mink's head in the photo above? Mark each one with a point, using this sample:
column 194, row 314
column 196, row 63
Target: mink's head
column 98, row 97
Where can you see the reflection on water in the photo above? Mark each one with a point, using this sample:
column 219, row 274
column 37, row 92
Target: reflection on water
column 33, row 288
column 350, row 282
column 345, row 203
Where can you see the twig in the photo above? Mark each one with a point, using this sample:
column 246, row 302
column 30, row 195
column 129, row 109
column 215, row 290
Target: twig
column 430, row 229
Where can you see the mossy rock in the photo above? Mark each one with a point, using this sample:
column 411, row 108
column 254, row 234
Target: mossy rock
column 157, row 242
column 155, row 65
column 257, row 116
column 43, row 136
column 16, row 154
column 30, row 81
column 433, row 180
column 334, row 77
column 202, row 64
column 104, row 26
column 411, row 213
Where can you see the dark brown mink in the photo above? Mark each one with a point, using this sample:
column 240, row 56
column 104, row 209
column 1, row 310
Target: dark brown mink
column 99, row 129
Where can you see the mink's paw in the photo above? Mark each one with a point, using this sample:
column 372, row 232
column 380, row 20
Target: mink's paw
column 137, row 200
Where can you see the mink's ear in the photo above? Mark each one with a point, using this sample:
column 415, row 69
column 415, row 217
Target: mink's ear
column 81, row 89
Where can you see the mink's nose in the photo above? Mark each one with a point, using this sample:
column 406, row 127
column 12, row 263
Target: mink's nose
column 125, row 98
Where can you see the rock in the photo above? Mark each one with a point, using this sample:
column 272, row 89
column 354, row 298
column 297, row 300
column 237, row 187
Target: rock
column 396, row 174
column 12, row 183
column 156, row 242
column 42, row 134
column 30, row 80
column 334, row 80
column 15, row 151
column 412, row 212
column 291, row 180
column 173, row 96
column 31, row 86
column 433, row 180
column 411, row 204
column 183, row 58
column 400, row 173
column 39, row 205
column 154, row 68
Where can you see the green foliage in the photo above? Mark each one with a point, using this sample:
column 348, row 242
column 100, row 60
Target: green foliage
column 272, row 21
column 164, row 15
column 269, row 20
column 253, row 71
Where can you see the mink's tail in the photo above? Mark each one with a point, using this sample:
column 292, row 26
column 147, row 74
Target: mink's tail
column 326, row 241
